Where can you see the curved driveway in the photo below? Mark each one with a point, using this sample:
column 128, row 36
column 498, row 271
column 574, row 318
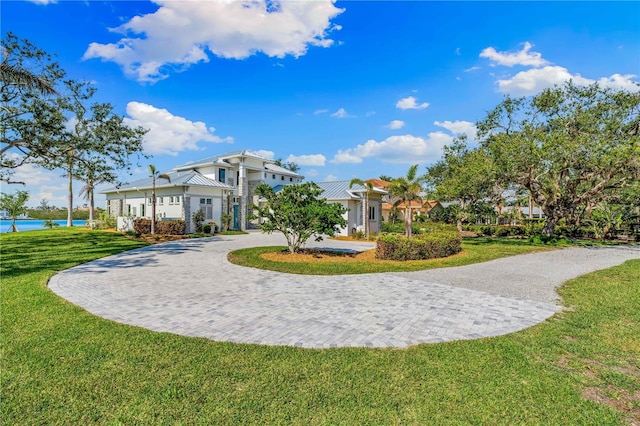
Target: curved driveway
column 189, row 288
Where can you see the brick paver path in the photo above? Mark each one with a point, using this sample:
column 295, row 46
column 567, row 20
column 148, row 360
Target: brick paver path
column 189, row 288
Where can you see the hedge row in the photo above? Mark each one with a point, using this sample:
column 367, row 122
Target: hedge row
column 422, row 246
column 163, row 227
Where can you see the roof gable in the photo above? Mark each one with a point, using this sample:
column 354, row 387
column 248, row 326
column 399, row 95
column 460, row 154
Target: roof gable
column 176, row 178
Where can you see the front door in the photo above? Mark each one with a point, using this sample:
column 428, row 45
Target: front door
column 235, row 216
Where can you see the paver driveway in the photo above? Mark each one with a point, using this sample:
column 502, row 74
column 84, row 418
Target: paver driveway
column 189, row 288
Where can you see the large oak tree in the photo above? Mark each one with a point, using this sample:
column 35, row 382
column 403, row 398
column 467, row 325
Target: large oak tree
column 571, row 146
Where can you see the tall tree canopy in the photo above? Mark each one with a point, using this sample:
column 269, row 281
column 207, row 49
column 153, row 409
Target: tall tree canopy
column 571, row 146
column 299, row 213
column 463, row 175
column 29, row 115
column 53, row 122
column 96, row 143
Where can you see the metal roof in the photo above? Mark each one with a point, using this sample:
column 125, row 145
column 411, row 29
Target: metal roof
column 176, row 178
column 339, row 190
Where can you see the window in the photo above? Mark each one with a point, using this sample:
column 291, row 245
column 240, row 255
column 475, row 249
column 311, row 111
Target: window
column 372, row 213
column 178, row 199
column 206, row 205
column 281, row 177
column 160, row 200
column 290, row 179
column 149, row 200
column 222, row 175
column 273, row 176
column 170, row 201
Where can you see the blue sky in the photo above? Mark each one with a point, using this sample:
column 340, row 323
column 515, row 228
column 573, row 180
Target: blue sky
column 345, row 89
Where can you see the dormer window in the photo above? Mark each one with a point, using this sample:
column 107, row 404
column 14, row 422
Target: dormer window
column 222, row 175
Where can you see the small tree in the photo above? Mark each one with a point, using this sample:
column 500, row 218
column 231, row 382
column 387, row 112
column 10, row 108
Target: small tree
column 198, row 220
column 299, row 213
column 15, row 205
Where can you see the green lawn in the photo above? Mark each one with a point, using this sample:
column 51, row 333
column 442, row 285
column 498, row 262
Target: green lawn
column 63, row 366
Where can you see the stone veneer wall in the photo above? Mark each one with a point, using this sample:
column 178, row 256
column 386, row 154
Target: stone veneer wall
column 250, row 199
column 187, row 213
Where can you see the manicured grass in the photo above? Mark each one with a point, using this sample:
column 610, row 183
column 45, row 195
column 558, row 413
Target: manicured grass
column 475, row 250
column 61, row 365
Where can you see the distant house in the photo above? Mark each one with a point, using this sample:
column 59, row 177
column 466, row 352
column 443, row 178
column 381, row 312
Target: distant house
column 216, row 185
column 417, row 208
column 353, row 198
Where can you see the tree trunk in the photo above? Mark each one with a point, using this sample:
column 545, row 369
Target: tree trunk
column 407, row 221
column 550, row 225
column 459, row 224
column 70, row 199
column 91, row 204
column 153, row 212
column 366, row 216
column 14, row 228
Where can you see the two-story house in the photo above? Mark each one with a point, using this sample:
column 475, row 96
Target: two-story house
column 220, row 184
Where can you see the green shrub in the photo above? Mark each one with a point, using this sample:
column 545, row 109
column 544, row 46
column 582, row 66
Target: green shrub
column 206, row 228
column 105, row 221
column 198, row 220
column 541, row 239
column 441, row 243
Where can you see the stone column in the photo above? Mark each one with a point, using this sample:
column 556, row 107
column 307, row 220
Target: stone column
column 186, row 209
column 243, row 193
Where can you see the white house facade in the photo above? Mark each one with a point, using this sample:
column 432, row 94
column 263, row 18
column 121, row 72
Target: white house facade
column 216, row 185
column 362, row 207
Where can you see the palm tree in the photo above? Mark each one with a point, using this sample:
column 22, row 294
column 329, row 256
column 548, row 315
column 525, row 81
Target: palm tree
column 90, row 183
column 11, row 74
column 407, row 189
column 155, row 174
column 365, row 207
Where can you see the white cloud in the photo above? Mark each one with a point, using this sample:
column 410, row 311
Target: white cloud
column 307, row 160
column 43, row 2
column 346, row 156
column 269, row 155
column 320, row 111
column 474, row 68
column 342, row 113
column 509, row 59
column 182, row 33
column 410, row 103
column 535, row 80
column 331, row 178
column 407, row 149
column 168, row 133
column 311, row 173
column 369, row 113
column 459, row 127
column 395, row 124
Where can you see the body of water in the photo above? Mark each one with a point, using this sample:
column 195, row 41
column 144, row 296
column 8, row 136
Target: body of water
column 34, row 224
